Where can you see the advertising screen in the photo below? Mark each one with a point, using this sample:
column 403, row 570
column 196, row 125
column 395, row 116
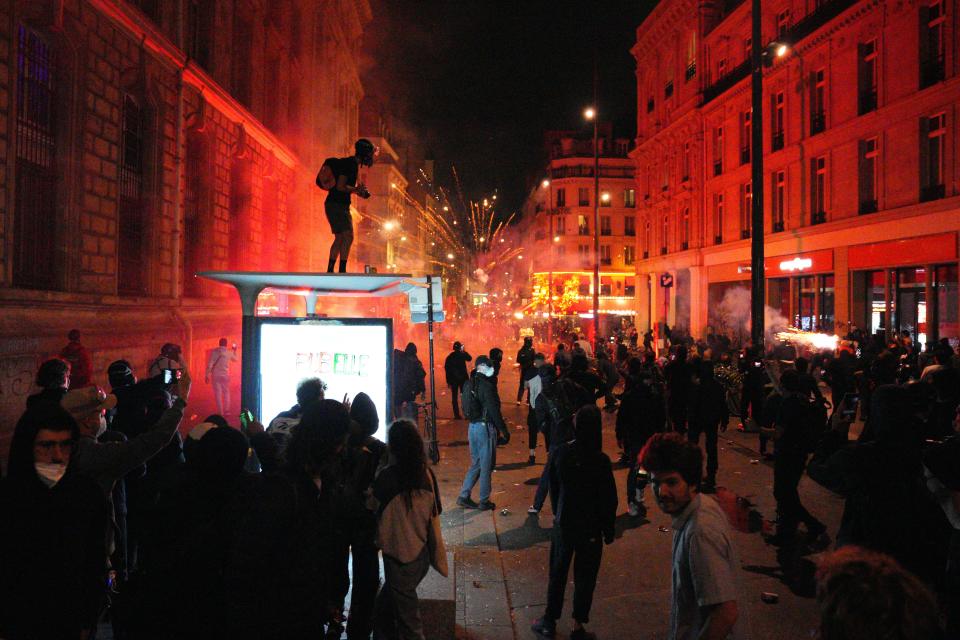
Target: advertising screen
column 349, row 355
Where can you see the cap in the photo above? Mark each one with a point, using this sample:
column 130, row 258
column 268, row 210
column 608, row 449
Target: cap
column 483, row 360
column 82, row 402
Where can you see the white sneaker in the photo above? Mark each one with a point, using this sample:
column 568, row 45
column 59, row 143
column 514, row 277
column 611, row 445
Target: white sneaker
column 533, row 510
column 632, row 510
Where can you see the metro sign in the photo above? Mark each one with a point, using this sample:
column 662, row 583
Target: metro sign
column 797, row 264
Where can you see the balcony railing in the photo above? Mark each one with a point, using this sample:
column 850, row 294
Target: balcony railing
column 932, row 192
column 726, row 81
column 931, row 72
column 827, row 11
column 867, row 101
column 606, row 232
column 583, row 231
column 818, row 122
column 868, row 206
column 818, row 217
column 630, row 232
column 776, row 141
column 744, row 155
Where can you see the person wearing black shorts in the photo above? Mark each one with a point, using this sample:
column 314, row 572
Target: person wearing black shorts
column 337, row 204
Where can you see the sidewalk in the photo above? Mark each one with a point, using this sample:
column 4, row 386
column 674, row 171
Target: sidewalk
column 502, row 558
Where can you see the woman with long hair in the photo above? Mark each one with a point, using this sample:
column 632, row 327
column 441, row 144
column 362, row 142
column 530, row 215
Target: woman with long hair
column 408, row 498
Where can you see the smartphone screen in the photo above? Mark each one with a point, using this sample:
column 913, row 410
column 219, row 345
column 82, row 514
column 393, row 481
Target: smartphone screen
column 848, row 408
column 168, row 376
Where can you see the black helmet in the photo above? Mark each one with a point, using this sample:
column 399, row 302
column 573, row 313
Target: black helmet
column 366, row 151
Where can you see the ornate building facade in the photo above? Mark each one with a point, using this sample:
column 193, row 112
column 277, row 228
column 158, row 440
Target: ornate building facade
column 861, row 175
column 141, row 144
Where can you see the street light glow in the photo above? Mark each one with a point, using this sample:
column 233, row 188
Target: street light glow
column 446, row 208
column 494, row 196
column 556, row 238
column 782, row 50
column 604, row 197
column 449, row 256
column 389, row 225
column 482, row 239
column 545, row 184
column 589, row 113
column 403, row 238
column 486, row 202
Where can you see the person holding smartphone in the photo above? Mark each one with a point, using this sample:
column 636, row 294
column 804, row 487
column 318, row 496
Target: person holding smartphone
column 218, row 371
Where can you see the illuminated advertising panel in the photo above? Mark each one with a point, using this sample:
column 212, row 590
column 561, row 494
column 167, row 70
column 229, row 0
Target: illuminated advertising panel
column 349, row 355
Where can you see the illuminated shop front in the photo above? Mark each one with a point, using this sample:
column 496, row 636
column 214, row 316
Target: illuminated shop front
column 908, row 285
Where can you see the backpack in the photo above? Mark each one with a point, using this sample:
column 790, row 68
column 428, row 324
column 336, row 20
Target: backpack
column 327, row 177
column 560, row 404
column 472, row 408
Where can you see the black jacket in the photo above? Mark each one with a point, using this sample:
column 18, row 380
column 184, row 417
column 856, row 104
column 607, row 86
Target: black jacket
column 708, row 403
column 52, row 556
column 583, row 492
column 409, row 376
column 488, row 402
column 641, row 414
column 455, row 366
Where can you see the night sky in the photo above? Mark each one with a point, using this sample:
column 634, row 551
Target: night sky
column 477, row 82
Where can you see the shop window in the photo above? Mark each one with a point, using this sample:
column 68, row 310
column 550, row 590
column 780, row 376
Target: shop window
column 932, row 47
column 933, row 146
column 911, row 302
column 583, row 197
column 945, row 323
column 777, row 121
column 37, row 179
column 869, row 161
column 813, row 308
column 718, row 218
column 746, row 209
column 818, row 190
column 746, row 135
column 778, row 295
column 867, row 77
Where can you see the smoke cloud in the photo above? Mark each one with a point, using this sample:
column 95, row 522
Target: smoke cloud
column 732, row 314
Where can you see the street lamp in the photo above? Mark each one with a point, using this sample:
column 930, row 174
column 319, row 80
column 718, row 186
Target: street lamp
column 545, row 184
column 590, row 114
column 757, row 275
column 449, row 256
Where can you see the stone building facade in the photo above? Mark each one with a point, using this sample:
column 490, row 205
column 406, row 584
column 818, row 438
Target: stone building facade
column 143, row 141
column 861, row 175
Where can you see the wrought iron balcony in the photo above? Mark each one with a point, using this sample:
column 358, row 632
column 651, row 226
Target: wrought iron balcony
column 726, row 81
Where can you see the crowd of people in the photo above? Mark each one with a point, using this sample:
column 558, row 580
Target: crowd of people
column 248, row 533
column 108, row 513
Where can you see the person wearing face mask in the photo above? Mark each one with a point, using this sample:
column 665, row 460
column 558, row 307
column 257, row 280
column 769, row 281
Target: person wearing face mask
column 52, row 542
column 481, row 406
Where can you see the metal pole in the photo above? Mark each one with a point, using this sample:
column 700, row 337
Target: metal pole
column 550, row 281
column 757, row 275
column 596, row 213
column 434, row 450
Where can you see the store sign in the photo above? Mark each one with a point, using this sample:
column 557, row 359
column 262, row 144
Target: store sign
column 797, row 264
column 666, row 280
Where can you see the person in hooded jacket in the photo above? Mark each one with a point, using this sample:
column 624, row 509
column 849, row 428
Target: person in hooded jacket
column 554, row 413
column 487, row 429
column 409, row 380
column 887, row 507
column 708, row 415
column 53, row 378
column 363, row 456
column 525, row 359
column 455, row 368
column 53, row 534
column 584, row 497
column 641, row 414
column 81, row 366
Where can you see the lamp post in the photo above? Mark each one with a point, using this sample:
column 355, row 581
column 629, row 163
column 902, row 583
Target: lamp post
column 591, row 114
column 546, row 185
column 757, row 275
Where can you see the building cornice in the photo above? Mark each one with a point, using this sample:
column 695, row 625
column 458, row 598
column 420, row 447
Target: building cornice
column 154, row 41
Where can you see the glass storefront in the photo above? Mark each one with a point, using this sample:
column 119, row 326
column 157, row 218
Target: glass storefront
column 909, row 308
column 809, row 307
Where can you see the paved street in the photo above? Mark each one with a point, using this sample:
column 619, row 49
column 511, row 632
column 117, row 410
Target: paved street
column 502, row 558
